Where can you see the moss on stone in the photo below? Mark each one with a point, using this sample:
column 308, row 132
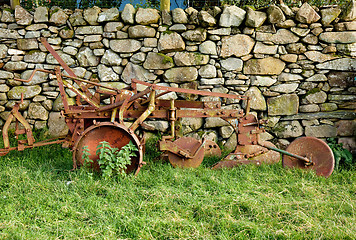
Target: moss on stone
column 165, row 58
column 312, row 91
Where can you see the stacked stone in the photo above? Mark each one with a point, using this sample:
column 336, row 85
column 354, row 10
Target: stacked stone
column 296, row 64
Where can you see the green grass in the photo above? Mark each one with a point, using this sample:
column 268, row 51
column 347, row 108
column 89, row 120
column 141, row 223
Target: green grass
column 41, row 198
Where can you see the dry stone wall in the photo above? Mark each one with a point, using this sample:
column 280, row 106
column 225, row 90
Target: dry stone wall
column 298, row 65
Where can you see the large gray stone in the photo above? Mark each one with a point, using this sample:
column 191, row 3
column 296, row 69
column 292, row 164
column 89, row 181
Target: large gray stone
column 39, row 77
column 40, row 15
column 56, row 125
column 317, row 78
column 170, row 42
column 160, row 126
column 207, row 71
column 89, row 30
column 265, row 66
column 307, row 14
column 237, row 45
column 262, row 81
column 146, row 16
column 190, row 59
column 196, row 35
column 288, row 129
column 111, row 14
column 232, row 64
column 77, row 19
column 283, row 36
column 232, row 16
column 343, row 64
column 213, row 122
column 350, row 13
column 140, row 31
column 288, row 77
column 107, row 74
column 191, row 124
column 208, row 47
column 338, row 37
column 275, row 14
column 285, row 87
column 320, row 115
column 317, row 97
column 206, row 20
column 137, row 72
column 27, row 44
column 257, row 101
column 86, row 57
column 329, row 14
column 91, row 15
column 128, row 14
column 59, row 18
column 179, row 16
column 6, row 75
column 22, row 16
column 265, row 49
column 158, row 61
column 255, row 19
column 125, row 45
column 15, row 66
column 7, row 16
column 286, row 104
column 28, row 92
column 317, row 56
column 8, row 34
column 321, row 131
column 35, row 57
column 37, row 111
column 181, row 74
column 110, row 58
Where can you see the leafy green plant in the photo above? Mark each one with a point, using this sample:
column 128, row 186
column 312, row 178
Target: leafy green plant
column 342, row 156
column 112, row 161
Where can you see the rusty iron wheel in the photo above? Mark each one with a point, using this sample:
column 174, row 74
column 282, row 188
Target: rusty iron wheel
column 316, row 150
column 191, row 145
column 115, row 134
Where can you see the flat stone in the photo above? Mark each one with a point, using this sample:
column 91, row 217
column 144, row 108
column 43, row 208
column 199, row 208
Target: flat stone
column 289, row 58
column 328, row 107
column 286, row 104
column 170, row 42
column 111, row 58
column 146, row 16
column 317, row 78
column 265, row 66
column 133, row 71
column 289, row 77
column 212, row 81
column 125, row 45
column 262, row 81
column 190, row 59
column 296, row 48
column 338, row 37
column 181, row 74
column 158, row 125
column 301, row 32
column 220, row 31
column 317, row 56
column 6, row 75
column 213, row 122
column 288, row 129
column 237, row 45
column 265, row 49
column 321, row 131
column 309, row 108
column 285, row 87
column 232, row 16
column 196, row 35
column 323, row 115
column 27, row 44
column 158, row 61
column 178, row 27
column 15, row 66
column 89, row 30
column 8, row 34
column 28, row 92
column 232, row 64
column 140, row 31
column 38, row 78
column 342, row 64
column 346, row 128
column 208, row 47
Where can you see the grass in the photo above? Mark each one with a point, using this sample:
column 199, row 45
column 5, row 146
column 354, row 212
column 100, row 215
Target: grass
column 41, row 198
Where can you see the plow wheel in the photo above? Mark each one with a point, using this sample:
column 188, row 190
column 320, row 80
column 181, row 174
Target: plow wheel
column 249, row 154
column 190, row 145
column 116, row 135
column 314, row 149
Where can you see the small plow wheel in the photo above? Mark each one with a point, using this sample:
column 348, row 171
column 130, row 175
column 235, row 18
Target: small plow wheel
column 314, row 149
column 116, row 135
column 191, row 145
